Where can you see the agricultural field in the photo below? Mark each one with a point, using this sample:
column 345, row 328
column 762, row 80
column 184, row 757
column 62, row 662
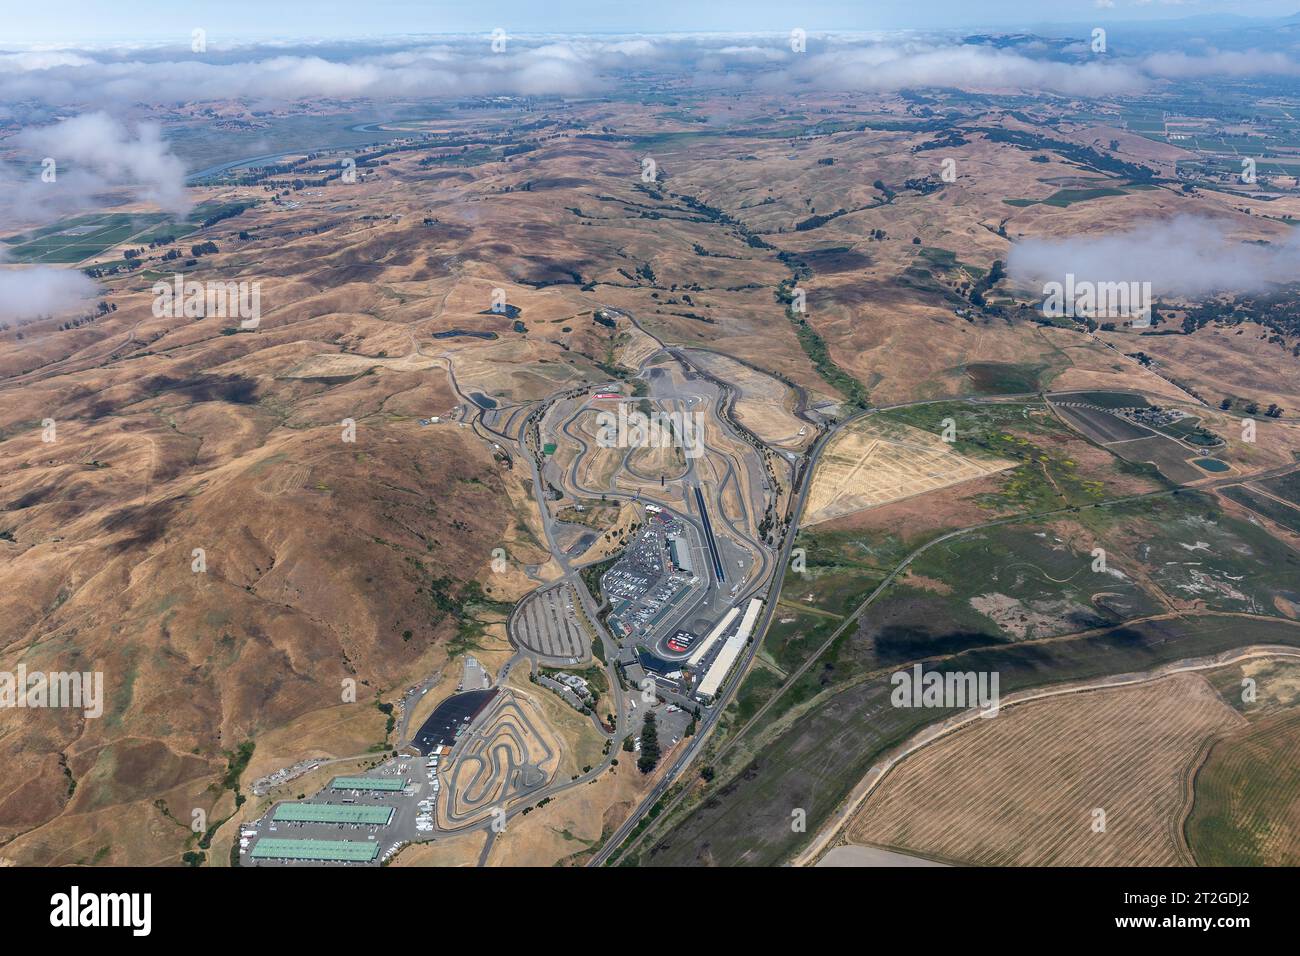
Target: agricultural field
column 1280, row 513
column 1131, row 441
column 84, row 237
column 812, row 753
column 1246, row 808
column 1024, row 788
column 1287, row 487
column 875, row 460
column 1054, row 466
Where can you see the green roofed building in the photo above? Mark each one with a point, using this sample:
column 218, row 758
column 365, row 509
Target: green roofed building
column 348, row 851
column 368, row 783
column 325, row 813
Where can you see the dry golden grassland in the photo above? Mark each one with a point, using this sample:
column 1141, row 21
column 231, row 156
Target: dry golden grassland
column 870, row 463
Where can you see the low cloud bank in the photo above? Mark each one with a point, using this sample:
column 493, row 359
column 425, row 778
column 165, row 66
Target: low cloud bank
column 33, row 291
column 570, row 66
column 1185, row 256
column 82, row 159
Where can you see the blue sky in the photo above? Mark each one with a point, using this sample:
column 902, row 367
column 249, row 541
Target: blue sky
column 72, row 21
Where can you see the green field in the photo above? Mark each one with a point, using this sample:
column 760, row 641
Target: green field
column 1065, row 197
column 75, row 240
column 1275, row 511
column 1046, row 478
column 1286, row 487
column 1196, row 552
column 1001, row 378
column 1103, row 399
column 1245, row 810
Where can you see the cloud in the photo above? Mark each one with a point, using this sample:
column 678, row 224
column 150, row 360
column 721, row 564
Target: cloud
column 1185, row 256
column 407, row 68
column 93, row 154
column 1179, row 66
column 451, row 69
column 531, row 66
column 967, row 66
column 34, row 291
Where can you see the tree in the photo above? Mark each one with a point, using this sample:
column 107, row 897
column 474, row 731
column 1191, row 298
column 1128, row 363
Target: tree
column 649, row 758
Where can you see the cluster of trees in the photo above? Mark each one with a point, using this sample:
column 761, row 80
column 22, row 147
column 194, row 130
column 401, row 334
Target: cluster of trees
column 991, row 278
column 1252, row 408
column 1278, row 312
column 650, row 751
column 102, row 309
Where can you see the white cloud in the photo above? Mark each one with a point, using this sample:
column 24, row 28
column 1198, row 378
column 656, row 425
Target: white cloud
column 94, row 154
column 1184, row 256
column 445, row 67
column 1177, row 66
column 882, row 68
column 34, row 291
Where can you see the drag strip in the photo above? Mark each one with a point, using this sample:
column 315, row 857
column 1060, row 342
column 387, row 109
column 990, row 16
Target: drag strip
column 708, row 535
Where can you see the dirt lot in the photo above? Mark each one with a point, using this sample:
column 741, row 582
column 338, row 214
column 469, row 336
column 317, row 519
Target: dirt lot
column 1022, row 788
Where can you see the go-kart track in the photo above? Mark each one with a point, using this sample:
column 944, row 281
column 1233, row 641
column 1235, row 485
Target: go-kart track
column 502, row 759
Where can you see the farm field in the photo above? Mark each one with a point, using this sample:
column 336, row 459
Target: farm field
column 1280, row 513
column 1131, row 441
column 84, row 237
column 1024, row 788
column 815, row 751
column 1286, row 487
column 1055, row 466
column 1246, row 810
column 874, row 461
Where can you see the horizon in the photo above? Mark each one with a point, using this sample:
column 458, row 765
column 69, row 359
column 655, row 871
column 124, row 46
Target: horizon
column 245, row 20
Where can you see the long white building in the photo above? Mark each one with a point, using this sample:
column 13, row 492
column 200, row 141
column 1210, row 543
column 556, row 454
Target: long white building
column 708, row 642
column 730, row 653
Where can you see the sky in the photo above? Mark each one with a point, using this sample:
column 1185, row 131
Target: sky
column 78, row 21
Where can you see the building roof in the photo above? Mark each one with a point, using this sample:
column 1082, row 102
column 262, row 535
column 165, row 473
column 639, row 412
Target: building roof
column 368, row 783
column 351, row 851
column 332, row 813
